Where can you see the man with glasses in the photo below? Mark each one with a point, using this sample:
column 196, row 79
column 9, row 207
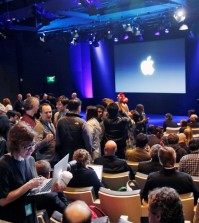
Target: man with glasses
column 45, row 147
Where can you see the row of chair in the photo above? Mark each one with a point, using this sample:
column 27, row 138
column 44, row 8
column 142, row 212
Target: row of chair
column 170, row 130
column 116, row 203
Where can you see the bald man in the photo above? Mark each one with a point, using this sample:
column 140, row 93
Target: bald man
column 111, row 163
column 77, row 212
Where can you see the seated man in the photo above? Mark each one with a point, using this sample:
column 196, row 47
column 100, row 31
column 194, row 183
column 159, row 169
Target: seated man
column 141, row 152
column 165, row 206
column 189, row 163
column 77, row 212
column 152, row 165
column 110, row 162
column 43, row 169
column 168, row 176
column 169, row 122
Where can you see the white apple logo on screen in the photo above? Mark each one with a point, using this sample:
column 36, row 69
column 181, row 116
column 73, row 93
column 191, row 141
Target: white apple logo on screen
column 147, row 66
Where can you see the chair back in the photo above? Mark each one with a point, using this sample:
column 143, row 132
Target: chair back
column 85, row 194
column 170, row 130
column 115, row 181
column 195, row 132
column 141, row 178
column 116, row 203
column 133, row 165
column 188, row 206
column 196, row 181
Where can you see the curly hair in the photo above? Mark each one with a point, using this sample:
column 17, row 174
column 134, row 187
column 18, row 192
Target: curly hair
column 20, row 135
column 82, row 156
column 166, row 201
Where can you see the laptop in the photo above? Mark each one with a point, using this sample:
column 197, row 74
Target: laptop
column 61, row 166
column 98, row 170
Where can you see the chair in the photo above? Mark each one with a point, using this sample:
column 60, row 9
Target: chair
column 195, row 132
column 116, row 203
column 133, row 165
column 170, row 130
column 115, row 181
column 188, row 206
column 42, row 216
column 82, row 193
column 141, row 178
column 196, row 181
column 56, row 217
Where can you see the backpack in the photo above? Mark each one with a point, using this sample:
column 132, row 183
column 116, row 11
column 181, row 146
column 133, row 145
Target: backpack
column 96, row 212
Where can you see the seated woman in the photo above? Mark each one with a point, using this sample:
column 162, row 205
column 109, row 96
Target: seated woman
column 18, row 175
column 83, row 176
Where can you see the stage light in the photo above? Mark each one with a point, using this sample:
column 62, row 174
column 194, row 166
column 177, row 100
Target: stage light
column 126, row 37
column 179, row 15
column 42, row 37
column 74, row 41
column 128, row 27
column 183, row 27
column 74, row 33
column 109, row 34
column 116, row 39
column 95, row 43
column 157, row 33
column 166, row 30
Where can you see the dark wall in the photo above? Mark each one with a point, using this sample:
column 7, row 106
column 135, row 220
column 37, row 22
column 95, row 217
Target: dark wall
column 8, row 69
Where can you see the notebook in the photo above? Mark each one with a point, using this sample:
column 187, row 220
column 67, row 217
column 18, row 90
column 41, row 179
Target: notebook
column 61, row 166
column 98, row 170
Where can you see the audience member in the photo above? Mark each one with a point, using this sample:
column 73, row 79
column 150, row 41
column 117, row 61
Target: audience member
column 168, row 176
column 141, row 121
column 18, row 175
column 45, row 142
column 169, row 122
column 122, row 103
column 173, row 142
column 2, row 109
column 44, row 169
column 7, row 104
column 31, row 106
column 77, row 212
column 110, row 162
column 82, row 175
column 61, row 105
column 95, row 130
column 4, row 128
column 141, row 152
column 152, row 165
column 44, row 99
column 189, row 134
column 193, row 121
column 183, row 125
column 72, row 131
column 191, row 112
column 19, row 104
column 12, row 116
column 189, row 163
column 183, row 142
column 165, row 206
column 116, row 129
column 152, row 135
column 100, row 113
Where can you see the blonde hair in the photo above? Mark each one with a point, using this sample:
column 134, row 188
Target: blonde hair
column 189, row 134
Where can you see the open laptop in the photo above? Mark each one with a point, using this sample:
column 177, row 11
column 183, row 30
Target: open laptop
column 98, row 170
column 61, row 166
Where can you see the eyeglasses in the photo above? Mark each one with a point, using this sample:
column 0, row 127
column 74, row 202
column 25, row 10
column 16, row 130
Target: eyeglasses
column 28, row 147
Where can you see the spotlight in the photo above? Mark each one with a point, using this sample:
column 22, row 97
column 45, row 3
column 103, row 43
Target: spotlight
column 116, row 39
column 157, row 33
column 126, row 37
column 183, row 27
column 42, row 37
column 109, row 34
column 128, row 27
column 74, row 33
column 74, row 41
column 166, row 30
column 179, row 15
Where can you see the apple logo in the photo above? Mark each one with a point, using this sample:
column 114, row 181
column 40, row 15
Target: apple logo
column 147, row 66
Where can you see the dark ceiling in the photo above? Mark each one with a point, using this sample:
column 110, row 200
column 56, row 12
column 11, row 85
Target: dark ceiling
column 55, row 15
